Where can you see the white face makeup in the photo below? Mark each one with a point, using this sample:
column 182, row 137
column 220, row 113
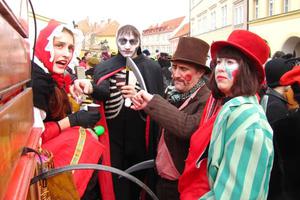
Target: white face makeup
column 225, row 72
column 229, row 65
column 128, row 45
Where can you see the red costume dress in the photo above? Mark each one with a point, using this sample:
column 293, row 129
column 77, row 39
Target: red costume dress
column 73, row 145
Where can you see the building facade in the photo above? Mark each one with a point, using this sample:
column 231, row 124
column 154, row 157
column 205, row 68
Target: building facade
column 212, row 20
column 184, row 31
column 277, row 21
column 104, row 37
column 157, row 37
column 274, row 20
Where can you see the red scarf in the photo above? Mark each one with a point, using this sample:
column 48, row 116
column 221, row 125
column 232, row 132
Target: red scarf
column 193, row 183
column 63, row 81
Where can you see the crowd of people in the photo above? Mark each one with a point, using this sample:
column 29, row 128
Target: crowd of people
column 224, row 131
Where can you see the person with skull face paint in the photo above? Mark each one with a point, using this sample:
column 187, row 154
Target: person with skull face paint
column 240, row 154
column 63, row 130
column 130, row 140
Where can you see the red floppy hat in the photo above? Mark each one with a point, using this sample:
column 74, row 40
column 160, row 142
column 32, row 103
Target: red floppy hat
column 250, row 44
column 41, row 43
column 291, row 77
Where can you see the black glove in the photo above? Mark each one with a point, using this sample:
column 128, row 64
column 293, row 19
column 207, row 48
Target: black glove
column 86, row 119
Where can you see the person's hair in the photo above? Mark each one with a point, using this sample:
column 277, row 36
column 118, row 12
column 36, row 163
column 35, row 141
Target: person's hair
column 246, row 82
column 86, row 53
column 278, row 54
column 59, row 104
column 129, row 29
column 93, row 61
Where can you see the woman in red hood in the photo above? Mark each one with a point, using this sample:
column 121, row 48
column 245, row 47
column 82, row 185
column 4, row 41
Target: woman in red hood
column 64, row 132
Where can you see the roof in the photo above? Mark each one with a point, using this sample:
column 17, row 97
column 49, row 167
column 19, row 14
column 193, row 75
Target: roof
column 183, row 31
column 108, row 28
column 84, row 25
column 166, row 26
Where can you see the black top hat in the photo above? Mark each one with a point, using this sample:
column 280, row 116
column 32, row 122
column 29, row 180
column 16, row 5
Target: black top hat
column 274, row 70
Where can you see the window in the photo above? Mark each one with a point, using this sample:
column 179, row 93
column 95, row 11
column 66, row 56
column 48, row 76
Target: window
column 256, row 9
column 193, row 28
column 224, row 15
column 204, row 24
column 199, row 24
column 271, row 7
column 238, row 15
column 285, row 6
column 213, row 20
column 194, row 2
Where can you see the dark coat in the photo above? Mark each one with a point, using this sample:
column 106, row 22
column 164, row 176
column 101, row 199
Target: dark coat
column 151, row 72
column 276, row 106
column 287, row 139
column 276, row 110
column 128, row 134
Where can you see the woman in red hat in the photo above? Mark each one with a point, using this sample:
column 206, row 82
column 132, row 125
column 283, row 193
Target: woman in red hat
column 240, row 154
column 64, row 132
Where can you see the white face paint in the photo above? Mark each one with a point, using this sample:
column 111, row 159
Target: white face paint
column 128, row 45
column 225, row 73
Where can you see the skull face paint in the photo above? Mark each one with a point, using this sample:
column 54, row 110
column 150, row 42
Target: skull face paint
column 128, row 45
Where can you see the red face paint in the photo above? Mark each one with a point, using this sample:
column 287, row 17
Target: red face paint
column 234, row 73
column 188, row 77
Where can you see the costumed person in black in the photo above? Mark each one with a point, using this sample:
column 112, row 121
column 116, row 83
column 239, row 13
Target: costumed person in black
column 286, row 141
column 131, row 141
column 275, row 105
column 274, row 101
column 64, row 132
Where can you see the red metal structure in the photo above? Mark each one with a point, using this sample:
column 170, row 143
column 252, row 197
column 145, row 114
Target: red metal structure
column 16, row 107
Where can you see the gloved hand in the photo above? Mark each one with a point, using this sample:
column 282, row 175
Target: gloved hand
column 86, row 119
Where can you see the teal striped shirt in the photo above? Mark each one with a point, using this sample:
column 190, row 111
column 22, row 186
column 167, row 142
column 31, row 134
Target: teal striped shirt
column 241, row 152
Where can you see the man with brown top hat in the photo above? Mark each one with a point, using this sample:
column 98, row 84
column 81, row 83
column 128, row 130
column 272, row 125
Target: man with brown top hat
column 179, row 113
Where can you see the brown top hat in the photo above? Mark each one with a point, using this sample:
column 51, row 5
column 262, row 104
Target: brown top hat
column 192, row 50
column 250, row 44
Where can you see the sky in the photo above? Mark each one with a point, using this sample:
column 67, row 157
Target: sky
column 140, row 13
